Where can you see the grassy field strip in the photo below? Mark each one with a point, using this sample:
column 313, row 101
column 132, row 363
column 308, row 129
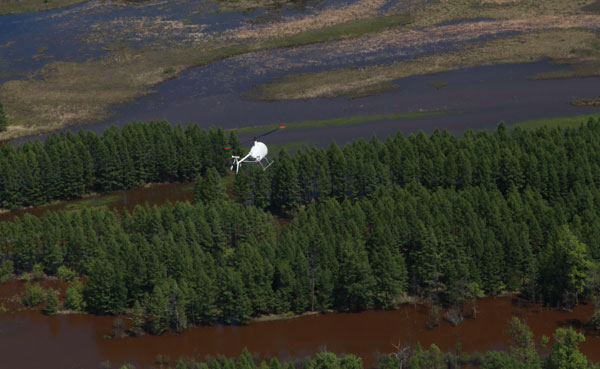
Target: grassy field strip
column 339, row 31
column 329, row 16
column 443, row 11
column 561, row 122
column 559, row 44
column 25, row 6
column 343, row 121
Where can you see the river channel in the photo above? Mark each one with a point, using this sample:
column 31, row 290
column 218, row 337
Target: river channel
column 78, row 341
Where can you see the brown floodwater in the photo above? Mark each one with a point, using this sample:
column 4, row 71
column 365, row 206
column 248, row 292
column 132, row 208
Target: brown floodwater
column 152, row 194
column 31, row 340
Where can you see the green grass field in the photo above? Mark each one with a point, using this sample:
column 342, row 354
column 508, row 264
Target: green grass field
column 344, row 121
column 340, row 31
column 561, row 122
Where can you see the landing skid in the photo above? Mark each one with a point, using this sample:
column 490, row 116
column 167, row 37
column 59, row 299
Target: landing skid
column 237, row 163
column 268, row 163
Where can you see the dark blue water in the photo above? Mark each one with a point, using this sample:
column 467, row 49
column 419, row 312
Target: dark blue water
column 479, row 98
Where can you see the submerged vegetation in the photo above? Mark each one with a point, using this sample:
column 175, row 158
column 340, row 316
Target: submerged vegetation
column 522, row 354
column 343, row 121
column 586, row 102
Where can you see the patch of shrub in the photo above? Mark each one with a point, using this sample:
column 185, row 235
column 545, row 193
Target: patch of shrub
column 51, row 303
column 74, row 297
column 6, row 271
column 38, row 272
column 65, row 273
column 34, row 295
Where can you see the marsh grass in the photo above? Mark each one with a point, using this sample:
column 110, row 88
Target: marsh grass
column 593, row 7
column 249, row 5
column 560, row 122
column 438, row 84
column 24, row 6
column 93, row 202
column 586, row 102
column 169, row 70
column 340, row 31
column 438, row 12
column 576, row 70
column 556, row 44
column 344, row 121
column 65, row 93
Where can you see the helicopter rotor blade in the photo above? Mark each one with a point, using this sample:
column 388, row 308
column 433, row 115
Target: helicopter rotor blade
column 271, row 131
column 264, row 134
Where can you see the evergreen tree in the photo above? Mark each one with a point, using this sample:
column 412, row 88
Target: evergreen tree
column 137, row 319
column 3, row 119
column 285, row 194
column 74, row 297
column 356, row 279
column 105, row 291
column 210, row 188
column 241, row 187
column 51, row 303
column 523, row 348
column 337, row 166
column 6, row 271
column 158, row 309
column 565, row 351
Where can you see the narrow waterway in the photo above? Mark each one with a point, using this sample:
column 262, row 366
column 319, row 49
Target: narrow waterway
column 77, row 341
column 152, row 194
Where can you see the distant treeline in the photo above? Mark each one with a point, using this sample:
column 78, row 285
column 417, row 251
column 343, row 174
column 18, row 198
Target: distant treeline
column 522, row 354
column 69, row 165
column 439, row 217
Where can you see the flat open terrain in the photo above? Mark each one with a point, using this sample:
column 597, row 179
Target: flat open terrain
column 135, row 47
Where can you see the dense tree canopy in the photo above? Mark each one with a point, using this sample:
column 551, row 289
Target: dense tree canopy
column 438, row 216
column 67, row 166
column 3, row 119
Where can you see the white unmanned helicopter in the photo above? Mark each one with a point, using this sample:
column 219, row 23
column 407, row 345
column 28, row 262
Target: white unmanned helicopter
column 258, row 154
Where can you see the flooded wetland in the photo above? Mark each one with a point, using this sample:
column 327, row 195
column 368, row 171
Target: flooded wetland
column 79, row 341
column 330, row 70
column 202, row 62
